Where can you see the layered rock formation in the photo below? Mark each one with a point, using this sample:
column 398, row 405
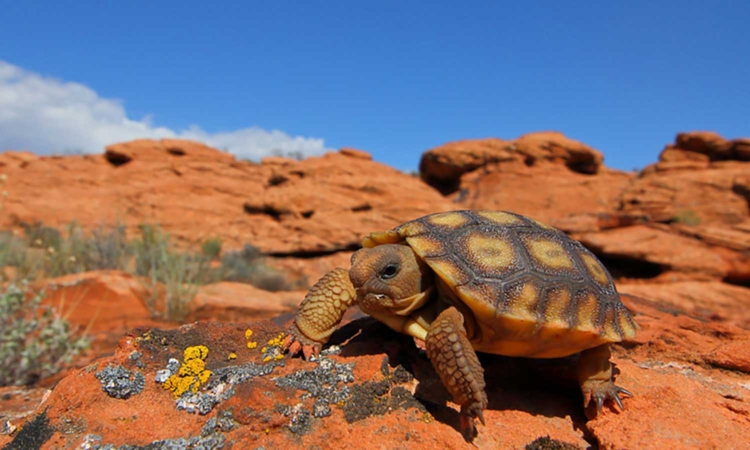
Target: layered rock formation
column 285, row 207
column 676, row 236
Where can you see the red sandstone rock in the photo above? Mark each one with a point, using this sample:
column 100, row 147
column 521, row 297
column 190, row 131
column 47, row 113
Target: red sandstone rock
column 708, row 300
column 712, row 194
column 670, row 251
column 355, row 153
column 103, row 304
column 443, row 167
column 708, row 144
column 689, row 379
column 319, row 205
column 562, row 193
column 231, row 302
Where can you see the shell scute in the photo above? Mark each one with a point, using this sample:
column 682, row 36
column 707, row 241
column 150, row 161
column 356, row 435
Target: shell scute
column 487, row 253
column 549, row 255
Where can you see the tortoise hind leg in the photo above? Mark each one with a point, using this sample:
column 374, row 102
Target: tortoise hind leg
column 457, row 365
column 596, row 379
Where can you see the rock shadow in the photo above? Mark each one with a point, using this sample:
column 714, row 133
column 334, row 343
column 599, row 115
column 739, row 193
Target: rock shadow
column 540, row 387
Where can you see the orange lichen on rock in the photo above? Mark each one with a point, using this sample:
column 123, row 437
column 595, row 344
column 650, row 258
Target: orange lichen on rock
column 192, row 374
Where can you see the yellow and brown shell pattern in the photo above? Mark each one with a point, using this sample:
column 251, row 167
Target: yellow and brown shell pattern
column 533, row 291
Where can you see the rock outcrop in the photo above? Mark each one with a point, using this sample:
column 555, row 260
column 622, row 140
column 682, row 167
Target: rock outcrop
column 676, row 236
column 282, row 206
column 375, row 389
column 543, row 175
column 701, row 178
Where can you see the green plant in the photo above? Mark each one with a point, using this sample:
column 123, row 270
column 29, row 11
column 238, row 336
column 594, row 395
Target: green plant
column 70, row 254
column 41, row 236
column 14, row 252
column 211, row 247
column 180, row 273
column 687, row 217
column 73, row 251
column 248, row 266
column 35, row 342
column 109, row 249
column 171, row 278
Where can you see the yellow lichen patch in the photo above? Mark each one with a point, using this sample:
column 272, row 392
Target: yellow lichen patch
column 491, row 254
column 278, row 340
column 145, row 337
column 191, row 374
column 197, row 352
column 548, row 254
column 248, row 335
column 448, row 219
column 595, row 268
column 192, row 367
column 275, row 348
column 232, row 356
column 501, row 218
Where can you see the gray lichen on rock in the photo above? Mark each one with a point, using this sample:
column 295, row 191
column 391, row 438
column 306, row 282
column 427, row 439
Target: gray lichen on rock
column 119, row 382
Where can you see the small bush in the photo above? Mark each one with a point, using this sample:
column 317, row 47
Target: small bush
column 171, row 278
column 110, row 249
column 68, row 255
column 247, row 266
column 41, row 236
column 35, row 342
column 211, row 248
column 180, row 273
column 14, row 252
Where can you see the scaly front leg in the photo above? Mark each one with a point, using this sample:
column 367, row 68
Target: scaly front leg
column 457, row 364
column 320, row 313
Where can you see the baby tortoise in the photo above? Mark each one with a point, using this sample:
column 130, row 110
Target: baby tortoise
column 486, row 281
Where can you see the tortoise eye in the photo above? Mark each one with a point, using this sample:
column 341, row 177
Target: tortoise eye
column 389, row 271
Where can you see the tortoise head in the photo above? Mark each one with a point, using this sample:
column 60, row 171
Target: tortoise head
column 390, row 279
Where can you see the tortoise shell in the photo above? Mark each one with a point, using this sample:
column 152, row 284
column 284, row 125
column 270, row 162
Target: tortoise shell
column 532, row 290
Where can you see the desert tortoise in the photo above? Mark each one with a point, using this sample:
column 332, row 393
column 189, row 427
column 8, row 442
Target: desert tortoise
column 489, row 281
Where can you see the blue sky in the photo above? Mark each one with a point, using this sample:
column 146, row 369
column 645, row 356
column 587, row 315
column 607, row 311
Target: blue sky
column 391, row 77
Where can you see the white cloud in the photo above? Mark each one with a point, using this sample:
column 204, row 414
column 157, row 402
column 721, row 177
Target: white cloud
column 46, row 115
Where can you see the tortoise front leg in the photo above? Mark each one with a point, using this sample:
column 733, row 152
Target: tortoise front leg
column 457, row 364
column 596, row 379
column 320, row 313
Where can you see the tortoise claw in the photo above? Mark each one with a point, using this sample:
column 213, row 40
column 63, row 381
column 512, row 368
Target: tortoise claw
column 603, row 391
column 296, row 342
column 468, row 414
column 623, row 391
column 619, row 402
